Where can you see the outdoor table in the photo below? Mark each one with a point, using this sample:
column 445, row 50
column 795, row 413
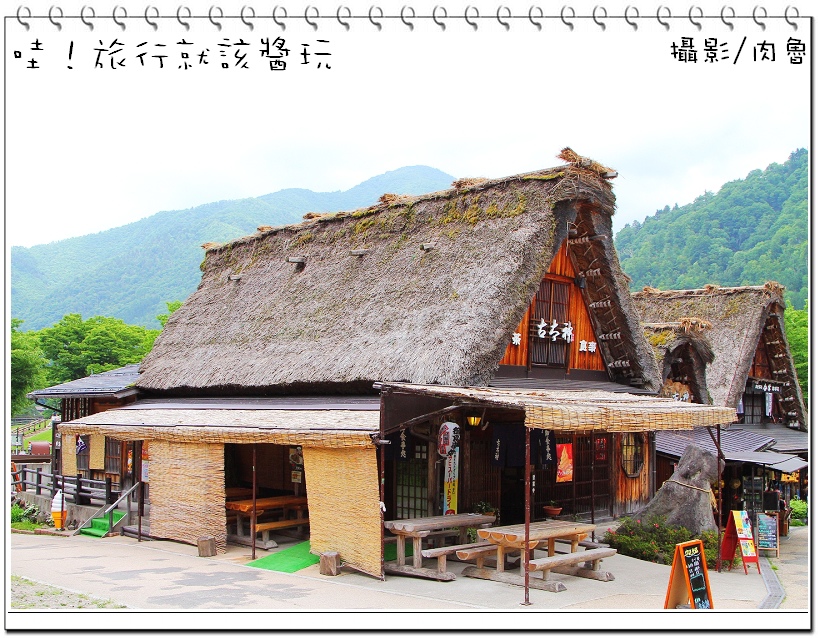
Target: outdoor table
column 419, row 528
column 236, row 493
column 512, row 538
column 244, row 508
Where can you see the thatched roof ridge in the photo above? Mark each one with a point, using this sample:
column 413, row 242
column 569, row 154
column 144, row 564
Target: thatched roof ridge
column 424, row 289
column 559, row 174
column 739, row 317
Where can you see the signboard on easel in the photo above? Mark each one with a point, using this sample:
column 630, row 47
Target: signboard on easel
column 767, row 532
column 689, row 584
column 739, row 535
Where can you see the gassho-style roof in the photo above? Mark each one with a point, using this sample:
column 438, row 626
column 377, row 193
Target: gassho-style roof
column 738, row 318
column 425, row 289
column 116, row 383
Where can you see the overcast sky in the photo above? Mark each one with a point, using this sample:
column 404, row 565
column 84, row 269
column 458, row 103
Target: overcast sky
column 90, row 149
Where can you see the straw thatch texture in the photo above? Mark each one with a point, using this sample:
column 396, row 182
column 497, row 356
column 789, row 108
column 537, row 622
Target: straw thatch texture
column 739, row 317
column 69, row 457
column 96, row 452
column 422, row 289
column 345, row 514
column 685, row 344
column 317, row 428
column 187, row 492
column 586, row 411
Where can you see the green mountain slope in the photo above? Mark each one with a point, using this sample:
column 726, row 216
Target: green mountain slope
column 752, row 231
column 130, row 271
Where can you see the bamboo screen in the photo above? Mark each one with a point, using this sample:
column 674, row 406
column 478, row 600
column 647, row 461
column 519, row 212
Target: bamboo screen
column 96, row 447
column 187, row 492
column 69, row 456
column 345, row 515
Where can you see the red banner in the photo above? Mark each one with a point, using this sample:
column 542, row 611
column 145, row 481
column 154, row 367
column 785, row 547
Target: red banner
column 565, row 462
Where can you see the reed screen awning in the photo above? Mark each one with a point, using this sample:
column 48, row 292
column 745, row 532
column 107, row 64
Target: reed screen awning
column 317, row 428
column 583, row 410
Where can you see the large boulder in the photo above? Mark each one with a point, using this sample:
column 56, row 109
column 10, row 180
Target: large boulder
column 685, row 498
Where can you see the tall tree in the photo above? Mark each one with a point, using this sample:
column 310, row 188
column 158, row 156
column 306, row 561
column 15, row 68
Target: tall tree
column 752, row 231
column 28, row 366
column 77, row 348
column 796, row 323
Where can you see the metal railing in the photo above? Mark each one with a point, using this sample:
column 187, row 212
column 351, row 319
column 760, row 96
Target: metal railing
column 109, row 509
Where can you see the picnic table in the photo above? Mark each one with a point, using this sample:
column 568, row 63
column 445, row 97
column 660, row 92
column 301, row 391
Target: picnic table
column 542, row 535
column 419, row 528
column 243, row 509
column 237, row 493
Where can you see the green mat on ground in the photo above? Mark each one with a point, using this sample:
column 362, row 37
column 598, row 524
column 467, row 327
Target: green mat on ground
column 298, row 557
column 287, row 560
column 390, row 550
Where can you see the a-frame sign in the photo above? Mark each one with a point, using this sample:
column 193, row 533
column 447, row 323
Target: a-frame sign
column 739, row 534
column 689, row 584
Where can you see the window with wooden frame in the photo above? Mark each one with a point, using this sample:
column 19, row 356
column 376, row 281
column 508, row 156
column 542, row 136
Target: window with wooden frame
column 84, row 454
column 113, row 456
column 551, row 305
column 632, row 454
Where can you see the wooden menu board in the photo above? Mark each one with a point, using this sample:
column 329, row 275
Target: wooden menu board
column 739, row 535
column 689, row 584
column 767, row 532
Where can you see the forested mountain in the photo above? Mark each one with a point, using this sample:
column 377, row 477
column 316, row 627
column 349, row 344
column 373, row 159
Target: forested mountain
column 751, row 231
column 130, row 272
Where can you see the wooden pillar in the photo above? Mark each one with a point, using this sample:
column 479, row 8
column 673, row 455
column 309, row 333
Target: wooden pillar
column 526, row 555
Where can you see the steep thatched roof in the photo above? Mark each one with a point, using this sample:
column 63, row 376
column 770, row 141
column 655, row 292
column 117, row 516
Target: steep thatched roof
column 423, row 289
column 738, row 317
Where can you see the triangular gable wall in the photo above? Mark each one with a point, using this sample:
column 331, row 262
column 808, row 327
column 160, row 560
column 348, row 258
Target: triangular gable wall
column 584, row 353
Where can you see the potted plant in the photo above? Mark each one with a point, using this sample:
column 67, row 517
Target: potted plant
column 484, row 507
column 552, row 509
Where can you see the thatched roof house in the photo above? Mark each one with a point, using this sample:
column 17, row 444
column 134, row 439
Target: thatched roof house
column 740, row 329
column 423, row 289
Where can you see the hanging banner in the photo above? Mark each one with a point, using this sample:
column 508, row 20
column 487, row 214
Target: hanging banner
column 448, row 437
column 565, row 464
column 450, row 481
column 146, row 457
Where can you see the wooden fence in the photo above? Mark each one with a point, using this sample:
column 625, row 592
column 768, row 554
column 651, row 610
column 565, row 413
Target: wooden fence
column 77, row 490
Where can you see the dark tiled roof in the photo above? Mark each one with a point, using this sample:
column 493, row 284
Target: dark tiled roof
column 261, row 403
column 787, row 440
column 732, row 440
column 116, row 383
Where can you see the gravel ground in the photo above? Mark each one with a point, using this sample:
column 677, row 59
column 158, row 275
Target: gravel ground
column 27, row 594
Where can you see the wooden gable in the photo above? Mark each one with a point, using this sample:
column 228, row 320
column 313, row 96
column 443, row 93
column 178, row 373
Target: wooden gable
column 560, row 298
column 760, row 368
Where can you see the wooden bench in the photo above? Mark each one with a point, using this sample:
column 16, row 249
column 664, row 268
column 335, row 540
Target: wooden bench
column 570, row 564
column 442, row 552
column 479, row 552
column 268, row 526
column 583, row 544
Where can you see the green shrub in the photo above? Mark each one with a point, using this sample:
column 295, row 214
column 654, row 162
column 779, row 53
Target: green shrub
column 25, row 525
column 799, row 508
column 16, row 513
column 797, row 522
column 654, row 541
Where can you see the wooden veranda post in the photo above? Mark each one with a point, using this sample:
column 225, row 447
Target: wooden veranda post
column 526, row 551
column 718, row 484
column 253, row 519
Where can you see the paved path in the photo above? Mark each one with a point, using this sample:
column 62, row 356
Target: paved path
column 161, row 575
